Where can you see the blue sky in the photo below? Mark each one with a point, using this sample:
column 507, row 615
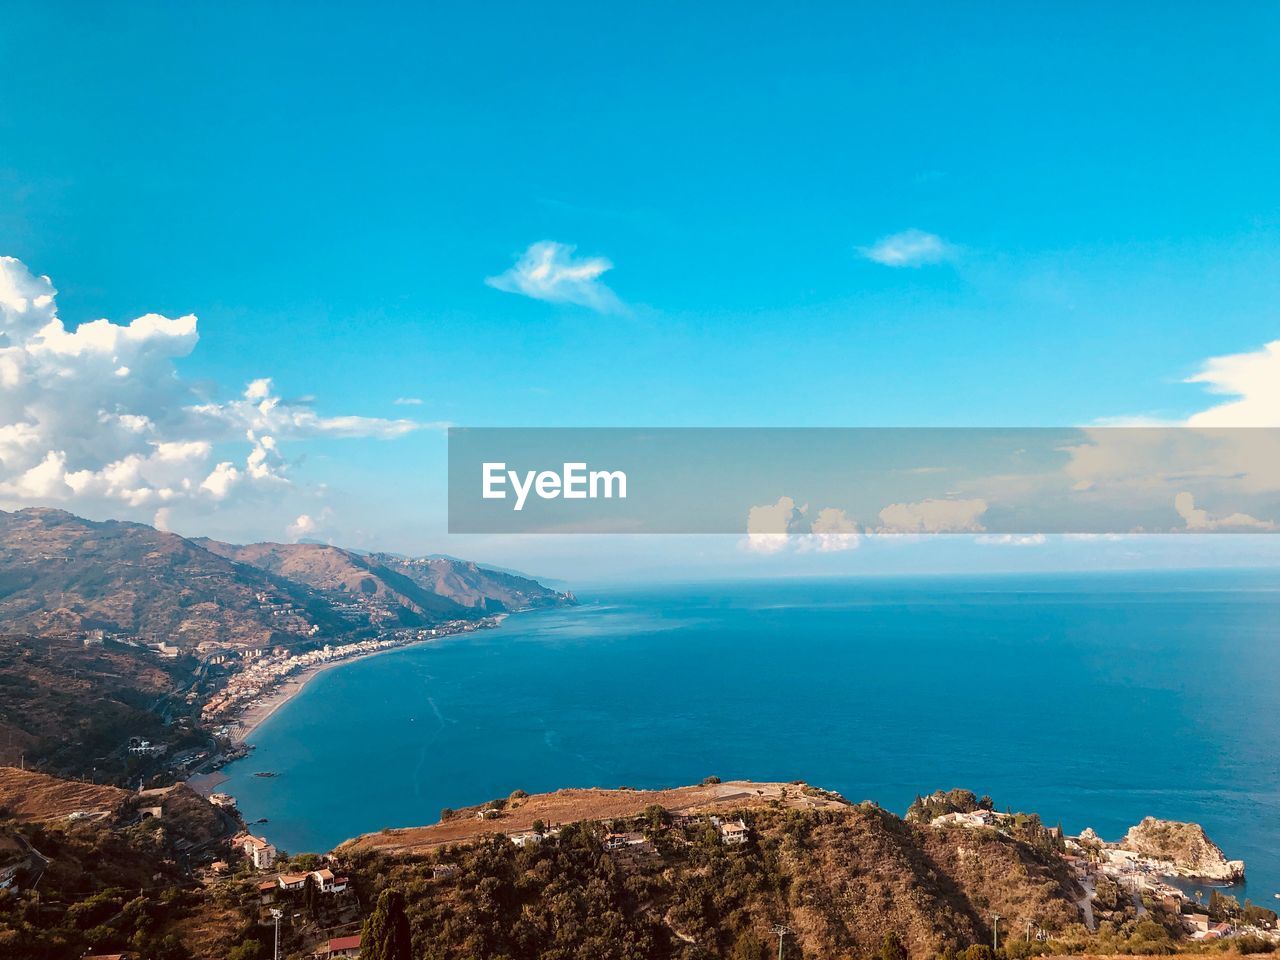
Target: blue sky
column 327, row 188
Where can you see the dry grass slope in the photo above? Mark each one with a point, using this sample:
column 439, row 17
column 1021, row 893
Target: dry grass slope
column 37, row 796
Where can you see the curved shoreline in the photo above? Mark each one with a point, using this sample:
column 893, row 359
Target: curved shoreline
column 260, row 711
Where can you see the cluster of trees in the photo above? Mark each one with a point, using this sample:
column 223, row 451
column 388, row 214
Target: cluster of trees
column 97, row 894
column 926, row 809
column 1224, row 907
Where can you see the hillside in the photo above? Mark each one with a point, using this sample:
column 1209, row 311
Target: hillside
column 409, row 591
column 71, row 708
column 691, row 873
column 27, row 795
column 842, row 877
column 61, row 574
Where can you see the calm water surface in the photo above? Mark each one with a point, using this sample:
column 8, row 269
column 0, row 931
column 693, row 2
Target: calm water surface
column 1094, row 700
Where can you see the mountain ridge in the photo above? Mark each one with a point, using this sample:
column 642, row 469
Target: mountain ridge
column 61, row 574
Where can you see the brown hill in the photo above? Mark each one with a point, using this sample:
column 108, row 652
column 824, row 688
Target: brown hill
column 28, row 795
column 841, row 877
column 411, row 592
column 388, row 595
column 62, row 574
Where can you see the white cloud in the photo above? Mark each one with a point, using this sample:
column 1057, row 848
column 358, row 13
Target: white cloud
column 304, row 526
column 549, row 271
column 100, row 413
column 774, row 527
column 1253, row 378
column 832, row 531
column 1201, row 520
column 933, row 516
column 1012, row 539
column 407, row 401
column 910, row 248
column 768, row 525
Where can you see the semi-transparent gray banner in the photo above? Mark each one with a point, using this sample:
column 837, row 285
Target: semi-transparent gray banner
column 833, row 483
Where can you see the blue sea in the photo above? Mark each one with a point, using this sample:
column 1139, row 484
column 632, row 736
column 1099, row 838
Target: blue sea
column 1093, row 699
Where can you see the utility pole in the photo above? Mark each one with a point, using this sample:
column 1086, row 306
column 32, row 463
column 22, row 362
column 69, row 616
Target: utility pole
column 276, row 915
column 995, row 931
column 1029, row 923
column 781, row 931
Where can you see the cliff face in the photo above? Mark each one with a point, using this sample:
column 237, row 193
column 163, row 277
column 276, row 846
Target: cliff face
column 1186, row 847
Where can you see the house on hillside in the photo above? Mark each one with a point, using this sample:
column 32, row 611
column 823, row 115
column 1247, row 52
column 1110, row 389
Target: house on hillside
column 616, row 841
column 340, row 947
column 291, row 881
column 326, row 882
column 732, row 832
column 256, row 850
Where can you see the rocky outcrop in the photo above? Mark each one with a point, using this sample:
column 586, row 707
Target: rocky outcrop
column 1185, row 847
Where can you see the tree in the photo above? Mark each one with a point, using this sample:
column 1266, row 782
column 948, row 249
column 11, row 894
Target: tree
column 311, row 896
column 386, row 932
column 892, row 948
column 749, row 947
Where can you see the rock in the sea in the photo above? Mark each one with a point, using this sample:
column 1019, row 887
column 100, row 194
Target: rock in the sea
column 1185, row 847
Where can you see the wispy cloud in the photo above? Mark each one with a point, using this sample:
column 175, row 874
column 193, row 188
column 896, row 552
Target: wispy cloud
column 549, row 271
column 407, row 401
column 910, row 248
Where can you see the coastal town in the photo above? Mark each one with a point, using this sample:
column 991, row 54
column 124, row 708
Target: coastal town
column 248, row 695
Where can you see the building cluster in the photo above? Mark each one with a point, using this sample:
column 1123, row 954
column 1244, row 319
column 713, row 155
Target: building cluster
column 1145, row 877
column 971, row 821
column 325, row 880
column 141, row 747
column 732, row 833
column 264, row 670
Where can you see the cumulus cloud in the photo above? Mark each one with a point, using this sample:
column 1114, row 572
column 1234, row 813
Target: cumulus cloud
column 769, row 524
column 910, row 248
column 774, row 527
column 832, row 531
column 99, row 412
column 307, row 526
column 549, row 271
column 1203, row 521
column 933, row 516
column 1252, row 378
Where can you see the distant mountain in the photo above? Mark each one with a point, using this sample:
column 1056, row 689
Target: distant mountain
column 61, row 574
column 545, row 581
column 408, row 589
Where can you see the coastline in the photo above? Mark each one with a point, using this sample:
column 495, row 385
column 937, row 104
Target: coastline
column 258, row 712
